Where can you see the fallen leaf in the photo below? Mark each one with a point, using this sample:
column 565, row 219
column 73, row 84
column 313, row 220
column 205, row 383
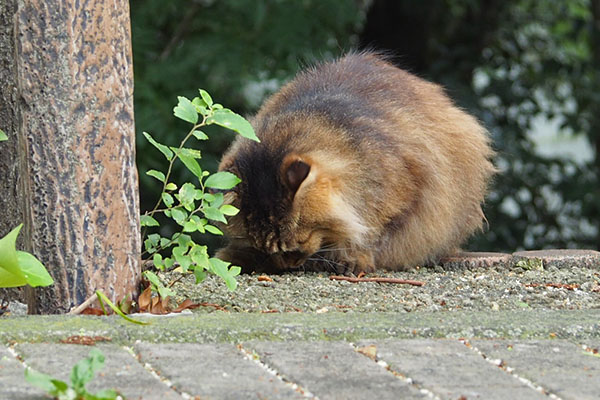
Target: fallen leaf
column 369, row 351
column 85, row 340
column 187, row 304
column 145, row 299
column 264, row 278
column 92, row 311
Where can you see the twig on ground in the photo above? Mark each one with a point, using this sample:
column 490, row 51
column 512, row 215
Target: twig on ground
column 567, row 286
column 377, row 279
column 79, row 309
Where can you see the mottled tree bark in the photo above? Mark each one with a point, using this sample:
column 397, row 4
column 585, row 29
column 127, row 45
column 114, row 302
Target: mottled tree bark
column 68, row 169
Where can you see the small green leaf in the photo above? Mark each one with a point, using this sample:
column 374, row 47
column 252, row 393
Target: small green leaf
column 85, row 369
column 10, row 272
column 206, row 97
column 146, row 220
column 178, row 215
column 185, row 110
column 152, row 278
column 151, row 242
column 200, row 135
column 214, row 214
column 199, row 255
column 186, row 151
column 200, row 274
column 167, row 199
column 219, row 267
column 156, row 174
column 45, row 382
column 218, row 201
column 158, row 261
column 230, row 120
column 170, row 186
column 190, row 226
column 161, row 147
column 198, row 102
column 229, row 210
column 213, row 229
column 165, row 292
column 3, row 136
column 222, row 180
column 184, row 260
column 190, row 163
column 187, row 194
column 34, row 270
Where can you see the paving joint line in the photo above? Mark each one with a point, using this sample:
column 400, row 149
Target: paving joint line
column 399, row 375
column 499, row 363
column 253, row 356
column 154, row 372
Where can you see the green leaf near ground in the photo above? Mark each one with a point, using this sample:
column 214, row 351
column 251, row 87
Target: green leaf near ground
column 34, row 270
column 230, row 120
column 52, row 386
column 222, row 180
column 185, row 110
column 219, row 267
column 81, row 374
column 18, row 268
column 3, row 136
column 161, row 147
column 85, row 369
column 10, row 272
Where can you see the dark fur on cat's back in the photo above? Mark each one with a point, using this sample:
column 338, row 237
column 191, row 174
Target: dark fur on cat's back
column 361, row 165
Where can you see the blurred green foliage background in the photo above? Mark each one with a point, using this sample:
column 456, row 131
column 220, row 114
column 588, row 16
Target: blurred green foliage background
column 529, row 70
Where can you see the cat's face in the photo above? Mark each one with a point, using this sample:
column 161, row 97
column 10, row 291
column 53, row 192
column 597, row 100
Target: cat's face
column 285, row 200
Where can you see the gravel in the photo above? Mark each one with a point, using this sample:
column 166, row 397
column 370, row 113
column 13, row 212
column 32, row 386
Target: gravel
column 497, row 288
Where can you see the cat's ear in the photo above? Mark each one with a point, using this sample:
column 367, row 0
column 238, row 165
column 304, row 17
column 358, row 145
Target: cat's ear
column 295, row 172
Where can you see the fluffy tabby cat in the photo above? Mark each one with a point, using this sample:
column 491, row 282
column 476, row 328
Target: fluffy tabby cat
column 361, row 166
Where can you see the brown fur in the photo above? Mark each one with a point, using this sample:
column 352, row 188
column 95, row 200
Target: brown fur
column 396, row 173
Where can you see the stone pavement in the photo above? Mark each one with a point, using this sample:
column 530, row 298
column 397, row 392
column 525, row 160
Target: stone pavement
column 529, row 354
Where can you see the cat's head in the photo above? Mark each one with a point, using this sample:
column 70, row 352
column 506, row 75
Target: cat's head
column 290, row 201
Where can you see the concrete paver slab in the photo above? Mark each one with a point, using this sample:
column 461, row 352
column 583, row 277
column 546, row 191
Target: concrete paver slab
column 332, row 370
column 450, row 370
column 121, row 371
column 12, row 379
column 214, row 371
column 563, row 368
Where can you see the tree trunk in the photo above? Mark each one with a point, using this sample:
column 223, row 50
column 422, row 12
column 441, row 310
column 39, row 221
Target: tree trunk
column 67, row 107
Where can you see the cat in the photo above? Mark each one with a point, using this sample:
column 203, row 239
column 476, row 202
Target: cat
column 361, row 166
